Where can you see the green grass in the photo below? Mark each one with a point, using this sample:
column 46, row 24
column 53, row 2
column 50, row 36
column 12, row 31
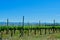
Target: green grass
column 31, row 37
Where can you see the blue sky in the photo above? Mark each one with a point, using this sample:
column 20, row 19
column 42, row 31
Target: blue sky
column 33, row 10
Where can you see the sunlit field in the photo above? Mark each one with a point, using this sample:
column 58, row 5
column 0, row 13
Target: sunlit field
column 29, row 33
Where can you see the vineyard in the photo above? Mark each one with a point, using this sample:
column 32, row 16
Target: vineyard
column 30, row 32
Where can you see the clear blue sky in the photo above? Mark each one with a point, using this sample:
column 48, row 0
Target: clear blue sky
column 33, row 10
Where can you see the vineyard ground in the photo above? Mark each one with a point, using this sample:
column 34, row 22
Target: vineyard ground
column 32, row 36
